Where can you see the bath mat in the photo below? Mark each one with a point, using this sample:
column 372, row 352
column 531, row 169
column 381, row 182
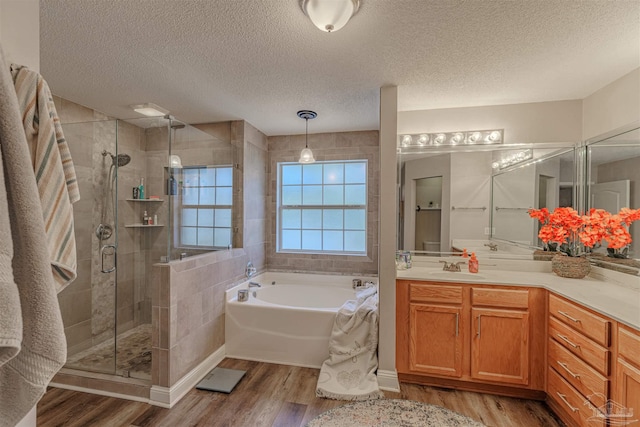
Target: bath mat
column 391, row 413
column 221, row 379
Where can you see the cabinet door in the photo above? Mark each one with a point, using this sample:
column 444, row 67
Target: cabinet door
column 627, row 398
column 435, row 339
column 500, row 346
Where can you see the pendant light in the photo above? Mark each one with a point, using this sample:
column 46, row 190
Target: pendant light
column 306, row 155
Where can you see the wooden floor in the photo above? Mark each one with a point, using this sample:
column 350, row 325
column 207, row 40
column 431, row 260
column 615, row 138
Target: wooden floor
column 270, row 395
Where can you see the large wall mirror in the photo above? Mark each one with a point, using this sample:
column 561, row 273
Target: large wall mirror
column 454, row 198
column 613, row 182
column 540, row 182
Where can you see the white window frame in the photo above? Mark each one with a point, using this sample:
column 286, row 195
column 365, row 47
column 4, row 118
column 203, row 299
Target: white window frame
column 202, row 206
column 280, row 207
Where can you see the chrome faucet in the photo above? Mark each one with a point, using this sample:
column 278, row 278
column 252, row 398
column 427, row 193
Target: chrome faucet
column 250, row 271
column 452, row 266
column 254, row 285
column 492, row 246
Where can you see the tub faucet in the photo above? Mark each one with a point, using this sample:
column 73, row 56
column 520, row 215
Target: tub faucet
column 250, row 271
column 452, row 266
column 254, row 285
column 492, row 246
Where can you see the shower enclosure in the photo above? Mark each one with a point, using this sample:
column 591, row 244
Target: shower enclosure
column 107, row 310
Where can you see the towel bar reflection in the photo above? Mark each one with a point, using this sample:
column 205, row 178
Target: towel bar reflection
column 498, row 208
column 479, row 208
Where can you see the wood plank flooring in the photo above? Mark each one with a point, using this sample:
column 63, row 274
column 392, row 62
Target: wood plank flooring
column 270, row 396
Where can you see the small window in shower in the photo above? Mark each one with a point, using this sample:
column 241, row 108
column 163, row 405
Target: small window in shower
column 206, row 202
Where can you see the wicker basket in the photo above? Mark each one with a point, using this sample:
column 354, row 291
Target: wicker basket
column 540, row 255
column 571, row 267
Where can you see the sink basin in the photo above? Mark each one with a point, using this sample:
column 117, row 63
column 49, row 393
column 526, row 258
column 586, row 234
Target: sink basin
column 459, row 275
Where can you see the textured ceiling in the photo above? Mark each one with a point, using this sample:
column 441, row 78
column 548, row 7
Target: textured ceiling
column 263, row 60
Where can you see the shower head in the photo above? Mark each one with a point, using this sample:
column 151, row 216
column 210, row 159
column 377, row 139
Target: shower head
column 119, row 160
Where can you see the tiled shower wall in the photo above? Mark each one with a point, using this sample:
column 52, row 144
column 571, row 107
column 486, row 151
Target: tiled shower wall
column 188, row 306
column 327, row 146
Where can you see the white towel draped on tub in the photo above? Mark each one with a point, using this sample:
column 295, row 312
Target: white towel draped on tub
column 350, row 371
column 32, row 341
column 53, row 168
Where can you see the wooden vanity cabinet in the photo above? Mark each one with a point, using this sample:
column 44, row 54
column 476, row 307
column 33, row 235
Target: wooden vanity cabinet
column 626, row 393
column 579, row 363
column 435, row 316
column 468, row 336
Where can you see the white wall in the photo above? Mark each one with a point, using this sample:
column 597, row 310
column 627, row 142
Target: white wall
column 613, row 106
column 558, row 121
column 20, row 32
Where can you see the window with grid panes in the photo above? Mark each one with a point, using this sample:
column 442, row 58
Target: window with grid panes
column 206, row 202
column 322, row 207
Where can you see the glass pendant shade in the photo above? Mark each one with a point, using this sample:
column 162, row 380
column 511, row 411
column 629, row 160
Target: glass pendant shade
column 330, row 15
column 306, row 156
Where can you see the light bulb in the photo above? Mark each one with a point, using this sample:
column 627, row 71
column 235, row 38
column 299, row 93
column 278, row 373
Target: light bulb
column 306, row 156
column 407, row 140
column 423, row 139
column 439, row 138
column 494, row 136
column 456, row 138
column 474, row 137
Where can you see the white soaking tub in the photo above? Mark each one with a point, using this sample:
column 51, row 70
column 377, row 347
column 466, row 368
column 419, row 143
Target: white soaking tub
column 288, row 322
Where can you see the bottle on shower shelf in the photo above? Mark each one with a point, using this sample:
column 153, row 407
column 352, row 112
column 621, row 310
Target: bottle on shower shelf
column 141, row 189
column 145, row 218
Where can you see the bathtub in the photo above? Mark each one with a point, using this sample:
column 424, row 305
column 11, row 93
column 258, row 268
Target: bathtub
column 288, row 322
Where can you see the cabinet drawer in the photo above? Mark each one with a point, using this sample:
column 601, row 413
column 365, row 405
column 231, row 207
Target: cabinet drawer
column 435, row 293
column 629, row 345
column 583, row 377
column 575, row 404
column 592, row 325
column 587, row 350
column 509, row 298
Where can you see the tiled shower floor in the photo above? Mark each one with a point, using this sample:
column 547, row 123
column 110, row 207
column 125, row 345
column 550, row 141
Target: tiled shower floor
column 133, row 355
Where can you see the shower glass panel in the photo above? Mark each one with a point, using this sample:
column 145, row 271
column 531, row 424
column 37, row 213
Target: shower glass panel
column 88, row 304
column 200, row 186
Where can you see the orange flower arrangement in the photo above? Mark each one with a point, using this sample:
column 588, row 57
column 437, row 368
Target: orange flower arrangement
column 566, row 227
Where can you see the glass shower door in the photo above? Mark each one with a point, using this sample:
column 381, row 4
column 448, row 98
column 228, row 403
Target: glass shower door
column 88, row 304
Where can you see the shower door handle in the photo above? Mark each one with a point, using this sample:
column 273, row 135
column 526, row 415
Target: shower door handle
column 103, row 254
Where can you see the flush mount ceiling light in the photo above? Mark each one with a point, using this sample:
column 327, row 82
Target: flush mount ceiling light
column 150, row 110
column 462, row 138
column 330, row 15
column 306, row 155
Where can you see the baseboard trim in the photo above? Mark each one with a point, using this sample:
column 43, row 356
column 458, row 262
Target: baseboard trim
column 388, row 380
column 99, row 392
column 166, row 397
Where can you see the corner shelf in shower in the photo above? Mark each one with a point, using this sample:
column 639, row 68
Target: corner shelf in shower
column 142, row 225
column 145, row 200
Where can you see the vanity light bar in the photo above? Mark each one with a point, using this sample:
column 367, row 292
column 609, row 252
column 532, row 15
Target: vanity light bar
column 474, row 137
column 513, row 159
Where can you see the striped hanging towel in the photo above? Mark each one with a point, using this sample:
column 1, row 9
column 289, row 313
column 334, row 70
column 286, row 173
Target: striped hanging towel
column 53, row 167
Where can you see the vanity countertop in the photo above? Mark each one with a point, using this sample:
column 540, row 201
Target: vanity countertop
column 618, row 300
